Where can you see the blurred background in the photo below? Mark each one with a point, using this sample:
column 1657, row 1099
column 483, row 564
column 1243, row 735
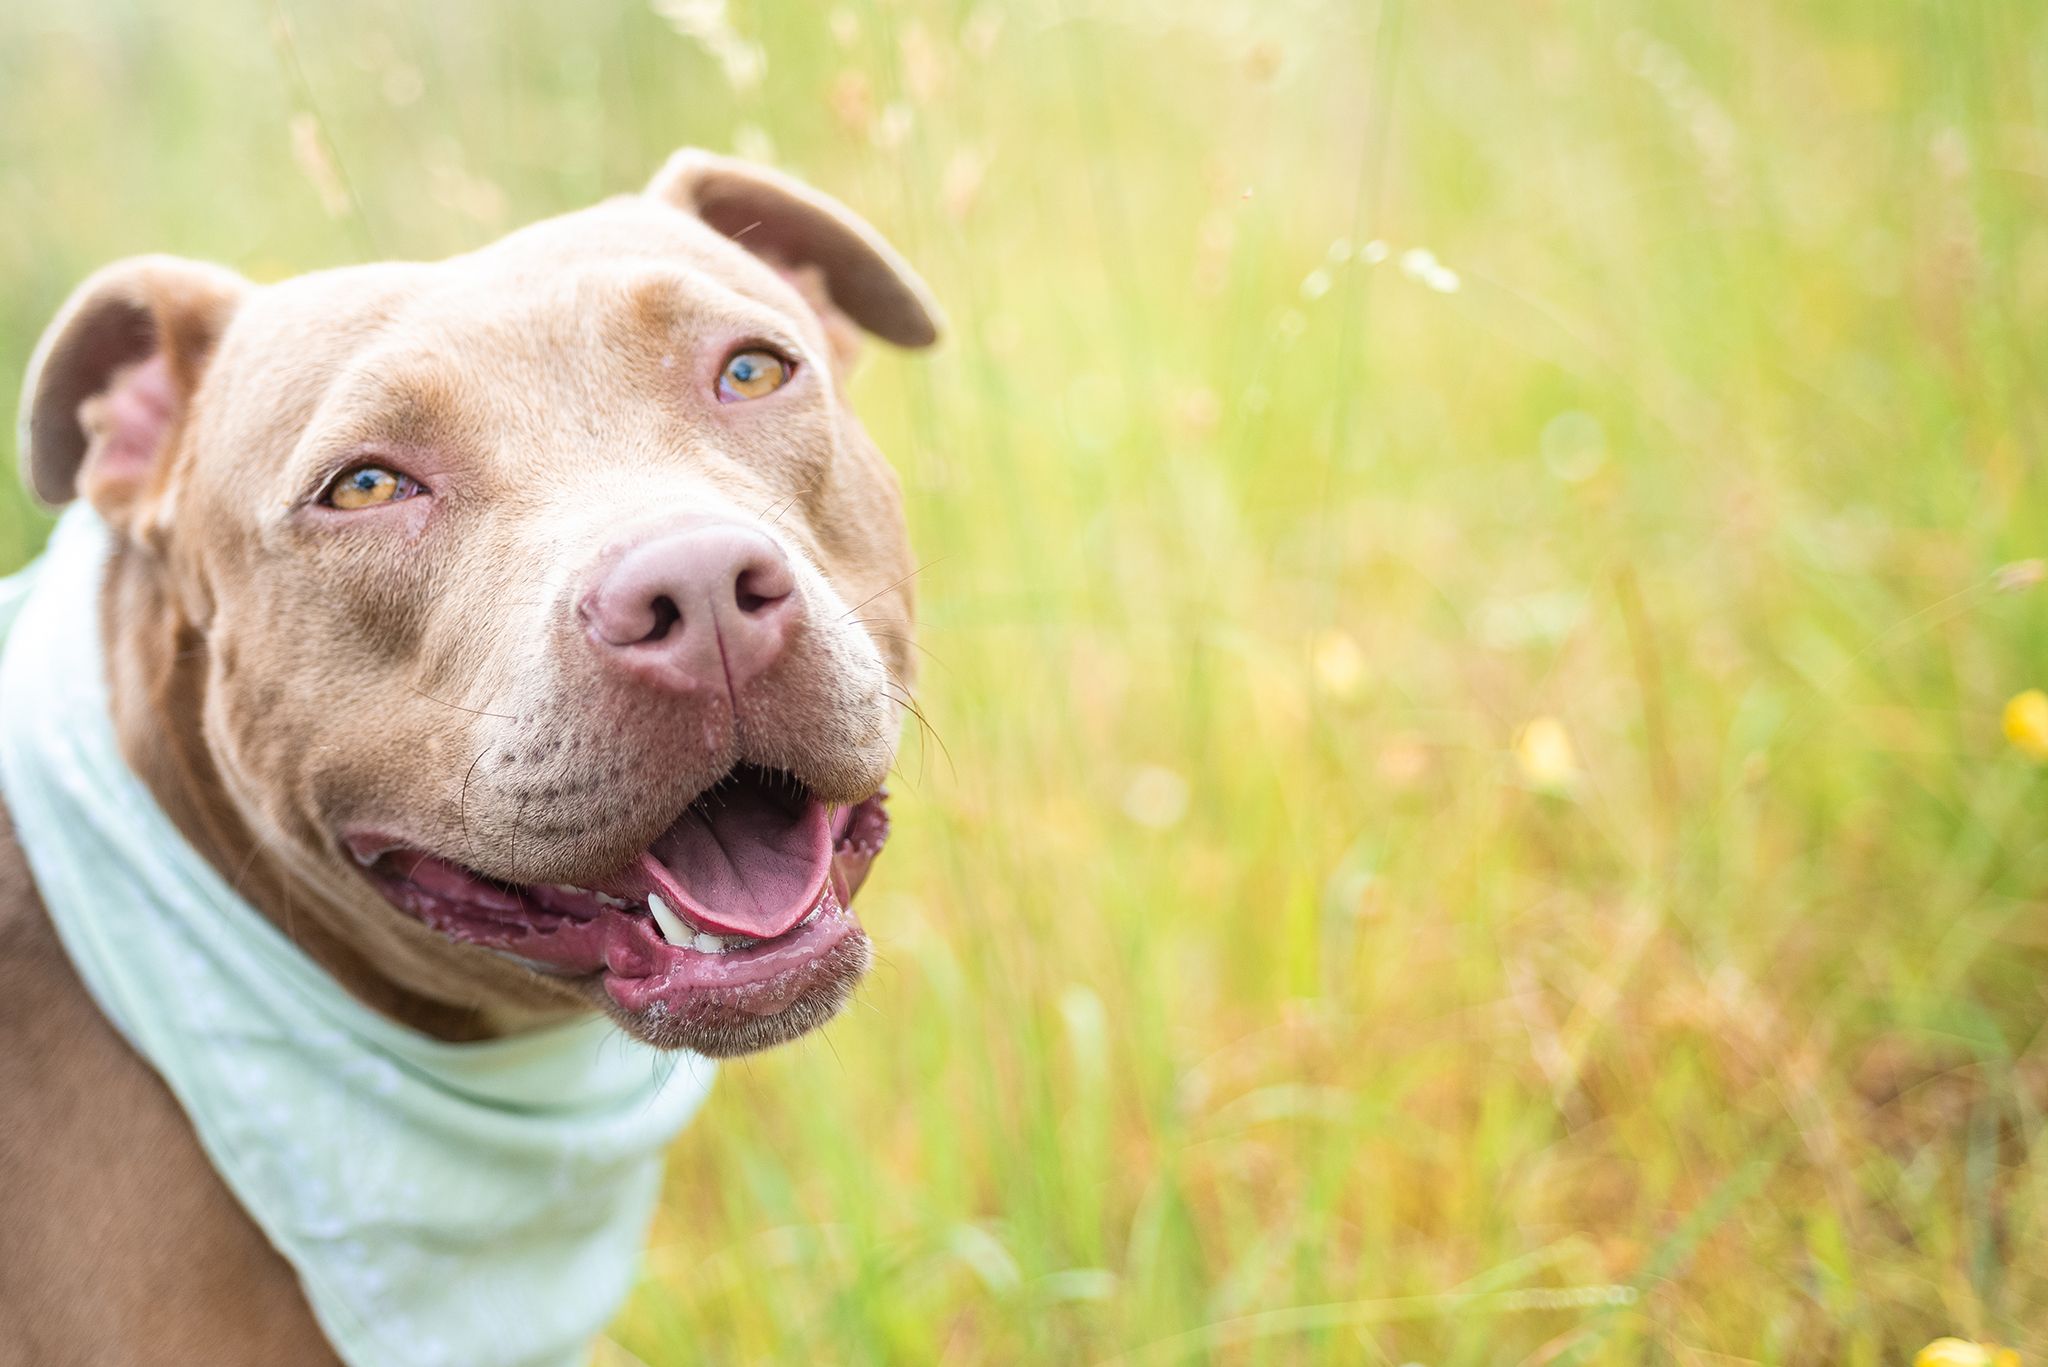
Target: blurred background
column 1481, row 801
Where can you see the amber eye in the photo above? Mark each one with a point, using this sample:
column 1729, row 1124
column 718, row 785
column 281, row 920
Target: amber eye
column 366, row 486
column 751, row 374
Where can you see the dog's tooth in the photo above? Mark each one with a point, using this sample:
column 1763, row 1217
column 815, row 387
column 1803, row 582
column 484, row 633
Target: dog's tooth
column 607, row 899
column 667, row 922
column 708, row 944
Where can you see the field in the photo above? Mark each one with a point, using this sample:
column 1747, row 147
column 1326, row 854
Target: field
column 1475, row 554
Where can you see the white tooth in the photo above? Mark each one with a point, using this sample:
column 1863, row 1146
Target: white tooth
column 708, row 944
column 565, row 887
column 608, row 900
column 671, row 925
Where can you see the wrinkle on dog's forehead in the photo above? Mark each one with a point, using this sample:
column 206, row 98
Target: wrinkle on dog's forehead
column 640, row 236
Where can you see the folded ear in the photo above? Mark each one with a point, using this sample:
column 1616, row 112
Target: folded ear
column 809, row 236
column 114, row 374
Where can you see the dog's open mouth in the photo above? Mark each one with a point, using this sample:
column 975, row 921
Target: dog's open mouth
column 738, row 912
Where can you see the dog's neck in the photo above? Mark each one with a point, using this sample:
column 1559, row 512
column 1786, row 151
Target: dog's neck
column 156, row 678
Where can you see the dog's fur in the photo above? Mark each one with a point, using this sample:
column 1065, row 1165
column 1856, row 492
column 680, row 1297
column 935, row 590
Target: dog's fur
column 279, row 673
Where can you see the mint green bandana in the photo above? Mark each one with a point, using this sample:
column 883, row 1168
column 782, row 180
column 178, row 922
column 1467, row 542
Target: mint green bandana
column 442, row 1203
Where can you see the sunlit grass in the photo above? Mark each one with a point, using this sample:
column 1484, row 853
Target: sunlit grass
column 1478, row 556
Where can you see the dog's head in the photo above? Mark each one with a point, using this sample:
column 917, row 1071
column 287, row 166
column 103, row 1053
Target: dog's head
column 547, row 608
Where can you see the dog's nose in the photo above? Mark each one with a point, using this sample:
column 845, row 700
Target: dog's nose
column 706, row 608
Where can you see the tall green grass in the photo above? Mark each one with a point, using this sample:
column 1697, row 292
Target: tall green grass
column 1334, row 390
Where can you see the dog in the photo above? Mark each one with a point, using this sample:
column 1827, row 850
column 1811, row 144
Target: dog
column 523, row 635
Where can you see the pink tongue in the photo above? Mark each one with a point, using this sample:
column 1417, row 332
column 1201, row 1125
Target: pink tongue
column 745, row 859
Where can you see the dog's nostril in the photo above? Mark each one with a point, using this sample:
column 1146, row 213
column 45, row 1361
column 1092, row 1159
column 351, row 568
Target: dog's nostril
column 756, row 590
column 666, row 615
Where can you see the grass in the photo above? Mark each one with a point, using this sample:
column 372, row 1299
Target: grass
column 1248, row 993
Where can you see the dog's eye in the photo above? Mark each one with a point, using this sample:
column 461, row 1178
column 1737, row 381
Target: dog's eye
column 366, row 486
column 750, row 374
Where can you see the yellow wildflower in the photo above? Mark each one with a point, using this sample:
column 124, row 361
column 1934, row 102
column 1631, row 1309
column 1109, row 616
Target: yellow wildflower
column 2026, row 723
column 1340, row 664
column 1545, row 756
column 1964, row 1353
column 1156, row 797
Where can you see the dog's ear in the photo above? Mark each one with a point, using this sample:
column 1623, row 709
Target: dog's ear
column 113, row 376
column 839, row 262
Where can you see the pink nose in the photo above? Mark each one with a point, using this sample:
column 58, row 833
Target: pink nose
column 707, row 608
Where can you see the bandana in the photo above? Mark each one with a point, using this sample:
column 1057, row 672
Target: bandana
column 441, row 1203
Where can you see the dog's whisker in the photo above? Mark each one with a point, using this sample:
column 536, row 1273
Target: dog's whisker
column 458, row 707
column 462, row 805
column 913, row 643
column 902, row 698
column 248, row 863
column 890, row 587
column 783, row 505
column 870, row 623
column 512, row 850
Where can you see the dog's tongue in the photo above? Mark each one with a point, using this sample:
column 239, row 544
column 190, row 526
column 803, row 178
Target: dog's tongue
column 748, row 858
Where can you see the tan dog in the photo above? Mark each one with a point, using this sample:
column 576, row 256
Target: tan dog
column 521, row 632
